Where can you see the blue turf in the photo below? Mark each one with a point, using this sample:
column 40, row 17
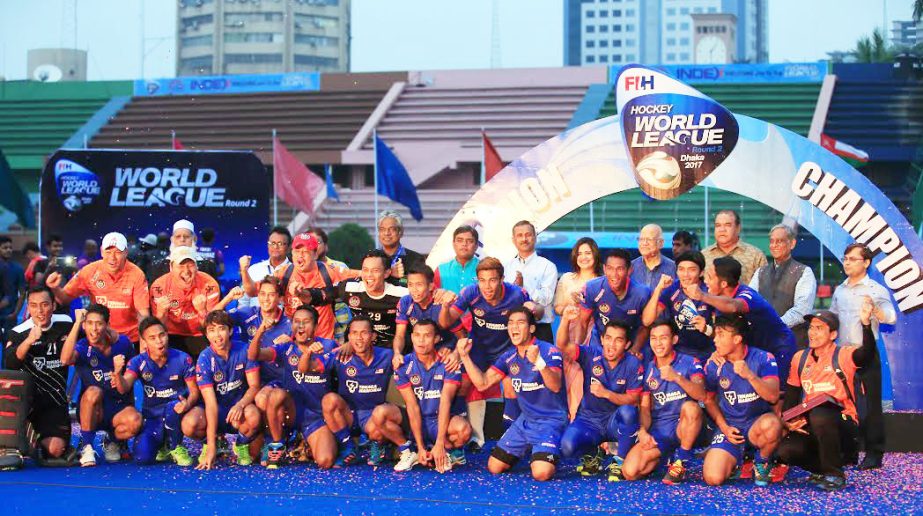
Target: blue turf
column 469, row 489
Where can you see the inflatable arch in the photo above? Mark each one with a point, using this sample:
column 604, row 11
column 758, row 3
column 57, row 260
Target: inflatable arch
column 673, row 137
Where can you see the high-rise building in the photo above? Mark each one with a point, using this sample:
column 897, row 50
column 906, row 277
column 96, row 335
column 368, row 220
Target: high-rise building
column 261, row 36
column 661, row 31
column 906, row 34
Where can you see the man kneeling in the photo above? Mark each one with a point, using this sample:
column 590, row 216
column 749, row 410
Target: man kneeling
column 535, row 369
column 742, row 386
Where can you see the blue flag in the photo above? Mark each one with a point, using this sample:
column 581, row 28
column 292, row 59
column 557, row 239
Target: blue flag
column 331, row 191
column 12, row 197
column 393, row 180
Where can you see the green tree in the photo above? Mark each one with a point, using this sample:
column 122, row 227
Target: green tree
column 874, row 49
column 917, row 10
column 349, row 243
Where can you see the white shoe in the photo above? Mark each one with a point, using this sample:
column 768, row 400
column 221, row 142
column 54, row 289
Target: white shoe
column 408, row 460
column 112, row 451
column 87, row 456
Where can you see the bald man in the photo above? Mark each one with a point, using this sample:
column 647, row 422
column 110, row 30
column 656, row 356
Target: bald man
column 647, row 268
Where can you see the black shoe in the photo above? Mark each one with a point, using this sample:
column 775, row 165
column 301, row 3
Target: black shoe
column 832, row 483
column 815, row 478
column 474, row 447
column 872, row 460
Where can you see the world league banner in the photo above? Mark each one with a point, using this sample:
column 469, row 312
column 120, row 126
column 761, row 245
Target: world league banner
column 88, row 193
column 669, row 137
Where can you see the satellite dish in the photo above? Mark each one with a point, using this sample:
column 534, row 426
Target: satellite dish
column 47, row 73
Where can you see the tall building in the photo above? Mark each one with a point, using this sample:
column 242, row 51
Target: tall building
column 661, row 31
column 906, row 34
column 261, row 36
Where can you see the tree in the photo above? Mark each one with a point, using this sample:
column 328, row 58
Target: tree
column 874, row 49
column 917, row 10
column 349, row 243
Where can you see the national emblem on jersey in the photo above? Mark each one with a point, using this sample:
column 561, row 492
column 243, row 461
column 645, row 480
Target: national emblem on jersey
column 514, row 369
column 604, row 308
column 100, row 284
column 351, row 371
column 724, row 383
column 292, row 360
column 219, row 376
column 94, row 361
column 479, row 312
column 354, row 301
column 415, row 379
column 652, row 383
column 597, row 370
column 147, row 376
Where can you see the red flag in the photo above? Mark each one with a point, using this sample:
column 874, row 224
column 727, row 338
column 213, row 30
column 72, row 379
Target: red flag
column 492, row 161
column 177, row 145
column 294, row 182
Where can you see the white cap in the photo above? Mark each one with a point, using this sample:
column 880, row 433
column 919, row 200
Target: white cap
column 149, row 239
column 183, row 224
column 116, row 240
column 183, row 253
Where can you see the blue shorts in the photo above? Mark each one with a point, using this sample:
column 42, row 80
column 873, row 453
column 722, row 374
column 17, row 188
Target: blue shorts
column 664, row 432
column 111, row 406
column 223, row 426
column 720, row 441
column 360, row 418
column 542, row 436
column 308, row 421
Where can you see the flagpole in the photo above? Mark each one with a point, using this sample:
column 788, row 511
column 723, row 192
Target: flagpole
column 483, row 158
column 375, row 147
column 85, row 146
column 705, row 222
column 275, row 200
column 173, row 139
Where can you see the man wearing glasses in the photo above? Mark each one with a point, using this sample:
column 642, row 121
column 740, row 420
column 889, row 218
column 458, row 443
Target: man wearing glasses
column 280, row 239
column 847, row 303
column 647, row 268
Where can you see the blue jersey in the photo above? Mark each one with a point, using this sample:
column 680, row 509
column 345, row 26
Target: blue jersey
column 535, row 400
column 227, row 377
column 307, row 389
column 738, row 400
column 409, row 312
column 625, row 377
column 95, row 369
column 426, row 383
column 364, row 387
column 247, row 319
column 162, row 385
column 605, row 306
column 681, row 310
column 767, row 331
column 667, row 397
column 489, row 338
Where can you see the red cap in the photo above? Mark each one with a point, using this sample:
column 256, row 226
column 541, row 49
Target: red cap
column 304, row 240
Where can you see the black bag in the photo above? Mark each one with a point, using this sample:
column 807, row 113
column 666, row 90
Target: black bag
column 15, row 402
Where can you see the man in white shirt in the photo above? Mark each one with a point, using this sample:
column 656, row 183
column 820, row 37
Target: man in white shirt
column 536, row 275
column 278, row 246
column 847, row 302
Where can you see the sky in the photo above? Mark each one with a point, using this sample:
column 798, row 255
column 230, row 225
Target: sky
column 395, row 34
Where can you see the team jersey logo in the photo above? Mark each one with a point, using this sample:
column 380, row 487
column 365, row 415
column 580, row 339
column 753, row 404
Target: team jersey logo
column 413, row 321
column 174, row 304
column 517, row 384
column 149, row 391
column 147, row 376
column 352, row 385
column 353, row 301
column 479, row 312
column 98, row 375
column 604, row 308
column 219, row 376
column 102, row 300
column 100, row 283
column 514, row 369
column 94, row 361
column 251, row 331
column 660, row 397
column 597, row 370
column 351, row 371
column 415, row 379
column 731, row 396
column 652, row 383
column 39, row 363
column 808, row 386
column 292, row 360
column 724, row 383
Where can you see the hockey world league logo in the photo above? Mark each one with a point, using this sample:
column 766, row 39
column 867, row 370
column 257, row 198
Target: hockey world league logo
column 149, row 391
column 39, row 363
column 77, row 186
column 418, row 392
column 686, row 313
column 731, row 396
column 517, row 384
column 352, row 385
column 660, row 397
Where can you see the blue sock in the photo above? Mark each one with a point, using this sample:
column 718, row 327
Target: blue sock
column 511, row 412
column 173, row 430
column 759, row 459
column 87, row 437
column 243, row 439
column 342, row 436
column 683, row 454
column 406, row 446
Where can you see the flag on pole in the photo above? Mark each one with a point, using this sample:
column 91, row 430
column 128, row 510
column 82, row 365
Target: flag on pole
column 294, row 183
column 176, row 144
column 853, row 156
column 393, row 180
column 331, row 191
column 12, row 196
column 492, row 162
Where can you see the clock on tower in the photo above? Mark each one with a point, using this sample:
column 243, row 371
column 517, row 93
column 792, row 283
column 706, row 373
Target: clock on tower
column 715, row 38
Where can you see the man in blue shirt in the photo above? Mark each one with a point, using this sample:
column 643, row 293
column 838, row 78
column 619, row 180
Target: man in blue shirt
column 429, row 390
column 14, row 284
column 296, row 402
column 228, row 383
column 670, row 414
column 420, row 304
column 102, row 406
column 614, row 296
column 170, row 392
column 742, row 385
column 652, row 264
column 459, row 272
column 612, row 388
column 534, row 368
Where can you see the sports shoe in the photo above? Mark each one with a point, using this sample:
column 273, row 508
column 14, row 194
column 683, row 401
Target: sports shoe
column 408, row 460
column 778, row 473
column 615, row 470
column 223, row 448
column 815, row 478
column 377, row 453
column 590, row 464
column 475, row 447
column 761, row 474
column 87, row 456
column 274, row 455
column 163, row 455
column 112, row 451
column 746, row 471
column 180, row 456
column 204, row 453
column 456, row 457
column 675, row 473
column 832, row 483
column 346, row 457
column 123, row 449
column 264, row 454
column 242, row 451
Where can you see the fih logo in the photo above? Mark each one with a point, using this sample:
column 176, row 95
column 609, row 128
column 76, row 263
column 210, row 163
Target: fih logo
column 77, row 187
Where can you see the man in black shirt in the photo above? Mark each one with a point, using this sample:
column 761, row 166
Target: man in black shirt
column 400, row 259
column 35, row 347
column 183, row 236
column 374, row 297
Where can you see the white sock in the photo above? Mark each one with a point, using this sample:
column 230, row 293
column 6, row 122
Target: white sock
column 476, row 412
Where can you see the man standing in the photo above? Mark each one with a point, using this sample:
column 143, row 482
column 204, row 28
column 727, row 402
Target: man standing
column 14, row 284
column 788, row 285
column 400, row 259
column 113, row 282
column 459, row 272
column 847, row 303
column 728, row 243
column 652, row 264
column 280, row 240
column 184, row 236
column 534, row 274
column 683, row 242
column 340, row 310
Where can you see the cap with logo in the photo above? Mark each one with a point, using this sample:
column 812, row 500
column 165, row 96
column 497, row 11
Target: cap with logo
column 116, row 240
column 304, row 240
